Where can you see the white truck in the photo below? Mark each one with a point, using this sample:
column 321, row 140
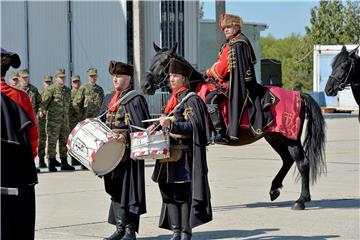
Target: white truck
column 323, row 58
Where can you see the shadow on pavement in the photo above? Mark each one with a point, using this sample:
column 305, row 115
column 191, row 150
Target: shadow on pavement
column 324, row 237
column 221, row 234
column 234, row 234
column 341, row 203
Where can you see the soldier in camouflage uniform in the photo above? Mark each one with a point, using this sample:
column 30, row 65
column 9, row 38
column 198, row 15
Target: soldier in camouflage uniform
column 14, row 79
column 56, row 101
column 42, row 130
column 31, row 90
column 76, row 112
column 93, row 95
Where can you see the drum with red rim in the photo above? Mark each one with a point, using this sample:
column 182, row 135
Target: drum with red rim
column 93, row 144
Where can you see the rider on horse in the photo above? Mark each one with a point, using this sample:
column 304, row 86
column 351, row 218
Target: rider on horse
column 233, row 87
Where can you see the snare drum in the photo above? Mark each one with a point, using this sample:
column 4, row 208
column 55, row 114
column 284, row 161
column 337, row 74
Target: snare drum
column 147, row 146
column 93, row 144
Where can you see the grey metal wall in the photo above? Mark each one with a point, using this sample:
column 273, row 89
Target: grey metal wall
column 88, row 33
column 48, row 39
column 209, row 51
column 13, row 29
column 98, row 34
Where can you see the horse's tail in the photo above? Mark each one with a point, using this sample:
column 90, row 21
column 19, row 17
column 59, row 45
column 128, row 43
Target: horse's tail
column 314, row 142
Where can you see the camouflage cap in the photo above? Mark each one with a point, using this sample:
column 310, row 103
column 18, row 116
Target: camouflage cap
column 13, row 75
column 92, row 71
column 75, row 78
column 47, row 78
column 60, row 73
column 23, row 73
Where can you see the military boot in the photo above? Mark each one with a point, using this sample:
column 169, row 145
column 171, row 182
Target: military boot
column 56, row 163
column 132, row 223
column 175, row 221
column 129, row 233
column 119, row 215
column 185, row 223
column 218, row 122
column 65, row 166
column 42, row 163
column 52, row 165
column 74, row 162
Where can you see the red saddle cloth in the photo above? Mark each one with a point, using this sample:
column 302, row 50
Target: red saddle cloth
column 286, row 111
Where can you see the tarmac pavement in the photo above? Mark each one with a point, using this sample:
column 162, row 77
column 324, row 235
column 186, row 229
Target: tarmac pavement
column 74, row 205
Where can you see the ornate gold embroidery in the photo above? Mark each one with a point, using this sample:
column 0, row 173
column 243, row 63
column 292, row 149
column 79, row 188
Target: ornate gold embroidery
column 187, row 112
column 127, row 118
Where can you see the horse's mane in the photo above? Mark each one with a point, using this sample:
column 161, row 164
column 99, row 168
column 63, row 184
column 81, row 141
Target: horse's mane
column 341, row 57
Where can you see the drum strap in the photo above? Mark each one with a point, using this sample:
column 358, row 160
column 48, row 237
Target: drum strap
column 190, row 94
column 122, row 100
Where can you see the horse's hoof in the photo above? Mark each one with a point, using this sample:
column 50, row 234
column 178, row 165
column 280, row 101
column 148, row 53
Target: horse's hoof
column 274, row 194
column 298, row 206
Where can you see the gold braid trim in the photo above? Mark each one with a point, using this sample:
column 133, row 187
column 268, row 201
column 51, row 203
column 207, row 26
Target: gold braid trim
column 127, row 118
column 221, row 49
column 231, row 59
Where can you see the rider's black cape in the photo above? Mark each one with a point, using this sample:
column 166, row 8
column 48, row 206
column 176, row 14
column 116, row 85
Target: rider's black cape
column 245, row 92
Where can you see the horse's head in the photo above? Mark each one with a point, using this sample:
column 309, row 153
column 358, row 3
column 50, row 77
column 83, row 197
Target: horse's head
column 345, row 70
column 156, row 76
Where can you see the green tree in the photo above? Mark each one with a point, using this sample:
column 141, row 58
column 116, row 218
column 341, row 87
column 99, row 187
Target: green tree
column 332, row 22
column 288, row 51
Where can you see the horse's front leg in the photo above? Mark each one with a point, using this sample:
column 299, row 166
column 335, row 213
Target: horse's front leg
column 279, row 144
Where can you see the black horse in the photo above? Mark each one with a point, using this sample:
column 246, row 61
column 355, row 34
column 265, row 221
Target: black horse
column 309, row 156
column 345, row 72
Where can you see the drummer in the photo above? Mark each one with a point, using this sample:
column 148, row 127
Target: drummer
column 182, row 179
column 125, row 184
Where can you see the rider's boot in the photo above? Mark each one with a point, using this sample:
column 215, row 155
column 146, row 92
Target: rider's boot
column 218, row 122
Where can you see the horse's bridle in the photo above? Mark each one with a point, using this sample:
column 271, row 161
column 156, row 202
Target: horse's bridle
column 164, row 76
column 342, row 85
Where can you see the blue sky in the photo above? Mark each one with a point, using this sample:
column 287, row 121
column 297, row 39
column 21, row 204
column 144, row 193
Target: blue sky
column 282, row 17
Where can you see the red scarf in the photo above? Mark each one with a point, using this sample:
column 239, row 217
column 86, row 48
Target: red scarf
column 173, row 100
column 114, row 99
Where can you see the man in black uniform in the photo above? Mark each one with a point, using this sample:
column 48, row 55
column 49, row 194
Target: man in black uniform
column 125, row 184
column 183, row 178
column 19, row 140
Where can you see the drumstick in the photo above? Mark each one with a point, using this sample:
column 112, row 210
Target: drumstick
column 171, row 118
